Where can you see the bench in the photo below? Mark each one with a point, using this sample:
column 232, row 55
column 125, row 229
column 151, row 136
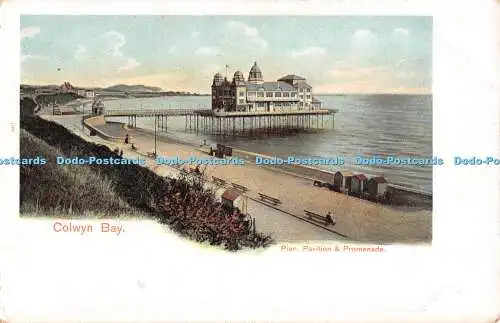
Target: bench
column 318, row 183
column 268, row 198
column 318, row 218
column 218, row 181
column 189, row 172
column 240, row 187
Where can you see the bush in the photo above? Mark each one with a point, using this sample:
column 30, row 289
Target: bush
column 27, row 107
column 195, row 213
column 60, row 98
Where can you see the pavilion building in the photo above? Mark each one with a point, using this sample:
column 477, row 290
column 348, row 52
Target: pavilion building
column 289, row 93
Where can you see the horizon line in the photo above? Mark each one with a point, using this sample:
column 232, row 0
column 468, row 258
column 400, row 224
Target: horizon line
column 208, row 93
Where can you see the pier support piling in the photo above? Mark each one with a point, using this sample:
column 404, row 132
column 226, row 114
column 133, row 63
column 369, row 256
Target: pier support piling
column 235, row 124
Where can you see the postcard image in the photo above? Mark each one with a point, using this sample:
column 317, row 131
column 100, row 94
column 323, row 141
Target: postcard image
column 237, row 132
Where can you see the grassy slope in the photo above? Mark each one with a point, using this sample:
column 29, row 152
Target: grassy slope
column 135, row 184
column 68, row 189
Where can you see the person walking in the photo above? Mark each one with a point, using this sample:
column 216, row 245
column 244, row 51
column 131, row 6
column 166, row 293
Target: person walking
column 126, row 139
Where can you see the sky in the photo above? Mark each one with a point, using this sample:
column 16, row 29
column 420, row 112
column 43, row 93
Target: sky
column 336, row 54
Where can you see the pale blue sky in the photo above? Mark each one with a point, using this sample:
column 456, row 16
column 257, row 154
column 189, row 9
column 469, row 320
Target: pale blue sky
column 337, row 54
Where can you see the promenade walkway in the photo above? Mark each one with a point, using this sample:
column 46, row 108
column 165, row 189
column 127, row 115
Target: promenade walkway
column 112, row 129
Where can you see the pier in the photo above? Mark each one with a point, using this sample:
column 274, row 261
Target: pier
column 247, row 107
column 206, row 121
column 160, row 115
column 253, row 123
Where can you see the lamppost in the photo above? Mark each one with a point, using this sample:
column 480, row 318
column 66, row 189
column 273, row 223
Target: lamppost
column 83, row 118
column 156, row 125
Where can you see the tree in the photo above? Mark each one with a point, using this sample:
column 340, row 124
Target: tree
column 27, row 106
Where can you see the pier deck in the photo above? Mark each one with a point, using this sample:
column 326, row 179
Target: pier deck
column 264, row 113
column 234, row 123
column 149, row 112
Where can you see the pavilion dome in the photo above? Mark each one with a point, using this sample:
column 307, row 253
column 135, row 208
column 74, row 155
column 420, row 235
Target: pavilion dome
column 255, row 74
column 238, row 78
column 218, row 79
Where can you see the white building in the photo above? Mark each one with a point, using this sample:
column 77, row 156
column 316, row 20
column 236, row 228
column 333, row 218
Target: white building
column 90, row 94
column 289, row 93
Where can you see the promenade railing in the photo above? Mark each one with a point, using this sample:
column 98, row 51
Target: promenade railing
column 149, row 112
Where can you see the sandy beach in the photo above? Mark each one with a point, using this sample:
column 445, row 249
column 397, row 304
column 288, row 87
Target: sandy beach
column 358, row 219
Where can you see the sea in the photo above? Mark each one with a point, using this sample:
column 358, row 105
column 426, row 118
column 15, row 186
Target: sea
column 365, row 125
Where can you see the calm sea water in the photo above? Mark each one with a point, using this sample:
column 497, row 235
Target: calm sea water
column 365, row 124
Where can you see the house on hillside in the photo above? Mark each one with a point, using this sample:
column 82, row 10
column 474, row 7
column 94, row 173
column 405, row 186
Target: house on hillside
column 67, row 87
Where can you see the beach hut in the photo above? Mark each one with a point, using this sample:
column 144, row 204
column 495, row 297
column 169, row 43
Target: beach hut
column 342, row 180
column 377, row 186
column 229, row 197
column 358, row 184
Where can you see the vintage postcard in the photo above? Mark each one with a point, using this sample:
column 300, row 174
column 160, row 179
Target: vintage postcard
column 236, row 131
column 246, row 135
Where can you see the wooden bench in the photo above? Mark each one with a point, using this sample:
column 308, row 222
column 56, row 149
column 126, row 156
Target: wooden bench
column 191, row 170
column 189, row 173
column 318, row 183
column 239, row 187
column 268, row 198
column 318, row 218
column 218, row 181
